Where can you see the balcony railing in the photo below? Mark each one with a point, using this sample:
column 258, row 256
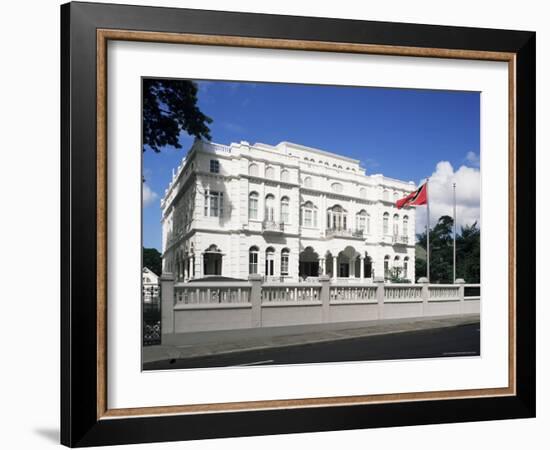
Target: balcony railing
column 273, row 227
column 343, row 232
column 400, row 240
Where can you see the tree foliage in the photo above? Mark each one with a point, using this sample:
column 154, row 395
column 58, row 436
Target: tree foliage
column 441, row 252
column 152, row 260
column 170, row 107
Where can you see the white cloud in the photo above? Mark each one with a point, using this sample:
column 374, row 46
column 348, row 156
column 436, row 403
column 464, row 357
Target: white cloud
column 148, row 195
column 472, row 159
column 440, row 193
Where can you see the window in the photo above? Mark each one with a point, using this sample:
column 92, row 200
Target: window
column 405, row 226
column 285, row 175
column 269, row 262
column 385, row 223
column 337, row 187
column 269, row 208
column 253, row 170
column 337, row 218
column 285, row 257
column 214, row 166
column 363, row 193
column 406, row 267
column 309, row 215
column 270, row 173
column 395, row 225
column 363, row 222
column 285, row 210
column 387, row 266
column 253, row 259
column 253, row 206
column 213, row 203
column 308, row 182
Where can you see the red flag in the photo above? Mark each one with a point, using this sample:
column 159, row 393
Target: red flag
column 418, row 197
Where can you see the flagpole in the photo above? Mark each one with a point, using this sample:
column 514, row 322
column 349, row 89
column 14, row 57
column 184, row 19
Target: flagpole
column 428, row 231
column 454, row 232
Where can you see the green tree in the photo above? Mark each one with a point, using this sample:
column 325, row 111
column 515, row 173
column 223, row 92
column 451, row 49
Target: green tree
column 170, row 107
column 468, row 254
column 152, row 260
column 441, row 252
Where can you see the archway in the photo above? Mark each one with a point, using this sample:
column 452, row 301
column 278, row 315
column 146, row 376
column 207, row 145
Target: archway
column 212, row 261
column 346, row 263
column 308, row 263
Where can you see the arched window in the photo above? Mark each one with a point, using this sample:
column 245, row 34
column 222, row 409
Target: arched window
column 395, row 195
column 269, row 262
column 270, row 173
column 337, row 218
column 386, row 223
column 253, row 259
column 285, row 175
column 308, row 182
column 386, row 195
column 406, row 267
column 253, row 206
column 253, row 170
column 285, row 259
column 387, row 266
column 363, row 192
column 397, row 268
column 363, row 221
column 285, row 210
column 269, row 208
column 337, row 187
column 405, row 225
column 309, row 215
column 396, row 225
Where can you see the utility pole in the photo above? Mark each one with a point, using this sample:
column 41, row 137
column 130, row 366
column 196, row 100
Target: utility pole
column 454, row 232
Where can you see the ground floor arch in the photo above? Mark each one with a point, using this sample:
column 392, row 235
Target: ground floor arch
column 309, row 263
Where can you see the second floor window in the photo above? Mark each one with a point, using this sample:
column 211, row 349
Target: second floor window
column 309, row 215
column 253, row 206
column 213, row 203
column 214, row 166
column 285, row 210
column 270, row 208
column 386, row 223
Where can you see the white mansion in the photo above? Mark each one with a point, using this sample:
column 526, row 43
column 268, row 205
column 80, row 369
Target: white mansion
column 285, row 212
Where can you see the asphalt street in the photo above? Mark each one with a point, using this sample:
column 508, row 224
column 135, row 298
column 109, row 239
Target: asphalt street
column 462, row 340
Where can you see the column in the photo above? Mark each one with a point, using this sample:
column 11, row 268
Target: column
column 185, row 269
column 321, row 266
column 255, row 280
column 200, row 267
column 334, row 267
column 167, row 303
column 352, row 267
column 193, row 266
column 362, row 266
column 325, row 297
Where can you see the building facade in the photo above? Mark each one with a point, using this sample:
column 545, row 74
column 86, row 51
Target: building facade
column 287, row 212
column 150, row 286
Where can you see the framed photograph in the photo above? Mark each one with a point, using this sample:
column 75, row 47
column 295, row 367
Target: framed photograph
column 277, row 224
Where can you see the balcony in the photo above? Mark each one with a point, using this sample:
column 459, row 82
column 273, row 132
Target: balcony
column 344, row 233
column 269, row 226
column 400, row 240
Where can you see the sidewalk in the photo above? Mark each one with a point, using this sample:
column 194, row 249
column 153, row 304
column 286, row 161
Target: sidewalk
column 208, row 343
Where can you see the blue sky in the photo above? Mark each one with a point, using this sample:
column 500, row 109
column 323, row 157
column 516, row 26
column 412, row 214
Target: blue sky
column 402, row 133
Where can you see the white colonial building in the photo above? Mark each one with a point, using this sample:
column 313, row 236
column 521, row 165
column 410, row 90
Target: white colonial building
column 287, row 212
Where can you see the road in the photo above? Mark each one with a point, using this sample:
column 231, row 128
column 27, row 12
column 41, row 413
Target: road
column 463, row 340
